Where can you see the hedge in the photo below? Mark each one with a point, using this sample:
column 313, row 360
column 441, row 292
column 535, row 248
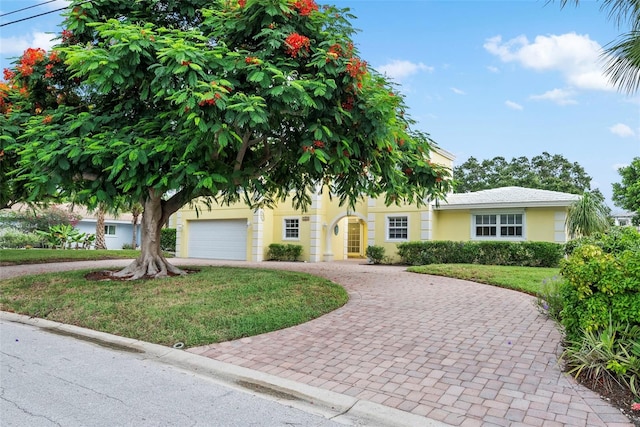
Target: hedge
column 528, row 254
column 168, row 239
column 284, row 252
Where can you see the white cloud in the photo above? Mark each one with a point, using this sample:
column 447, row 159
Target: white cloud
column 513, row 105
column 575, row 56
column 15, row 45
column 619, row 165
column 458, row 91
column 558, row 96
column 399, row 69
column 622, row 130
column 493, row 69
column 58, row 4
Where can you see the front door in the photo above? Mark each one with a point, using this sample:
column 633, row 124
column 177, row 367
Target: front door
column 354, row 239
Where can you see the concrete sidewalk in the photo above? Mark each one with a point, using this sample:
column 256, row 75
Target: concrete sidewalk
column 433, row 348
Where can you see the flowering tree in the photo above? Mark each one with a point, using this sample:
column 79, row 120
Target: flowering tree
column 165, row 102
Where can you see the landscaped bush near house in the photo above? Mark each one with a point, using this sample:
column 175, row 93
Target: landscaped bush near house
column 616, row 239
column 168, row 239
column 607, row 356
column 13, row 239
column 600, row 288
column 527, row 254
column 375, row 254
column 30, row 220
column 284, row 252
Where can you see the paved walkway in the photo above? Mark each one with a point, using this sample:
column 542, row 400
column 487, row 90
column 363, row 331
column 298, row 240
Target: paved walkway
column 454, row 351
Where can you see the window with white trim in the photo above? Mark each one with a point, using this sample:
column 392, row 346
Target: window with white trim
column 397, row 227
column 109, row 230
column 498, row 226
column 291, row 229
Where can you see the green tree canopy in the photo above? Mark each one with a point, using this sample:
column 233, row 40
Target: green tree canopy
column 626, row 193
column 230, row 99
column 545, row 171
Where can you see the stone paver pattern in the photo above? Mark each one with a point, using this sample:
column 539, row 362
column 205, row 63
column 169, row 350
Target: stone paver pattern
column 455, row 351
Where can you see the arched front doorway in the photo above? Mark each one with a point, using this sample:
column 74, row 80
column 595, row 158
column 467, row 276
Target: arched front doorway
column 345, row 236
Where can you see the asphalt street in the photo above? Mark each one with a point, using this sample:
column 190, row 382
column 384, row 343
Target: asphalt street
column 49, row 379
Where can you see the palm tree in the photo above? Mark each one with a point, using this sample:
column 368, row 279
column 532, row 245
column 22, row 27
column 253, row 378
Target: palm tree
column 623, row 55
column 136, row 211
column 100, row 234
column 587, row 215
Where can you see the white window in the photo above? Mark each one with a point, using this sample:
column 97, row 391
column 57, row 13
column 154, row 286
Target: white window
column 397, row 227
column 498, row 226
column 291, row 229
column 623, row 222
column 109, row 230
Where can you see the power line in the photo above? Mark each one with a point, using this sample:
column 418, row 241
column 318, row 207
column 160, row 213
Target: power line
column 40, row 14
column 31, row 17
column 25, row 8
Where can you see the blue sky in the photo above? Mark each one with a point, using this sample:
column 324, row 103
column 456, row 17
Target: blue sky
column 483, row 78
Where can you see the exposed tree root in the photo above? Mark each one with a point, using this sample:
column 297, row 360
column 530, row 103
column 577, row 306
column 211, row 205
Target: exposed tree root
column 149, row 267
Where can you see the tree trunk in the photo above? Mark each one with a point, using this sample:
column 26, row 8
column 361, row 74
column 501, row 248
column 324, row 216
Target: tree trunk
column 100, row 240
column 151, row 263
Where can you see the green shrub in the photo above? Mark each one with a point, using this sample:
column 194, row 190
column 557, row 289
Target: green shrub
column 30, row 220
column 284, row 252
column 543, row 254
column 13, row 239
column 375, row 254
column 528, row 254
column 616, row 239
column 168, row 239
column 607, row 356
column 600, row 288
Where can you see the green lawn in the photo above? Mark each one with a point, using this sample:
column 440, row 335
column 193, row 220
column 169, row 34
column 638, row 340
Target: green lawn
column 524, row 279
column 211, row 305
column 38, row 256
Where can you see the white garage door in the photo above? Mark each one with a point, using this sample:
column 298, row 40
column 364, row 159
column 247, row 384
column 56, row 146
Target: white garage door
column 218, row 239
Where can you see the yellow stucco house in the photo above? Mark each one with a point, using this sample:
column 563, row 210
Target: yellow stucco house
column 330, row 232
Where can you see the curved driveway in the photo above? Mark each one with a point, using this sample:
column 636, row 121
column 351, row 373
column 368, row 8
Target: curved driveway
column 451, row 350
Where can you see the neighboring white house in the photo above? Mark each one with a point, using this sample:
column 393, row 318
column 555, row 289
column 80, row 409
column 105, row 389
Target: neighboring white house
column 623, row 218
column 118, row 230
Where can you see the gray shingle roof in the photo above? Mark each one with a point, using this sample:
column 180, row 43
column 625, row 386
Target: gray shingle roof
column 507, row 197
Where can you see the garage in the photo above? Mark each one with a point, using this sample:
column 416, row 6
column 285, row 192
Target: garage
column 218, row 239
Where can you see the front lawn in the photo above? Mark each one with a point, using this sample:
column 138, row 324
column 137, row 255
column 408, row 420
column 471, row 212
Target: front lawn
column 525, row 279
column 211, row 305
column 39, row 256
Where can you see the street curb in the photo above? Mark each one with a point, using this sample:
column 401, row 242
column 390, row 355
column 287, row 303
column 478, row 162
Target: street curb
column 335, row 406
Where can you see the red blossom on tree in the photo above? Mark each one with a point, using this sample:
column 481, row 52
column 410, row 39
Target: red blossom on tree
column 242, row 3
column 48, row 71
column 30, row 58
column 305, row 7
column 295, row 42
column 8, row 74
column 357, row 68
column 66, row 36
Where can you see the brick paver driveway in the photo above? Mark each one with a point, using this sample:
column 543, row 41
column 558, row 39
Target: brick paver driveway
column 456, row 351
column 451, row 350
